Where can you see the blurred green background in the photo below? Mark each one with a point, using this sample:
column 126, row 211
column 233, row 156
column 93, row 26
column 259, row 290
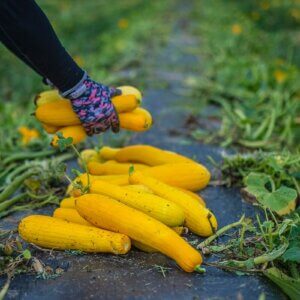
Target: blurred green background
column 249, row 53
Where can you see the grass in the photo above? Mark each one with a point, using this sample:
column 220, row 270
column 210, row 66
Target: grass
column 251, row 72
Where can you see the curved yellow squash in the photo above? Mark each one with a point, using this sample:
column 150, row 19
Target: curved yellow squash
column 47, row 97
column 67, row 203
column 125, row 103
column 50, row 128
column 161, row 209
column 57, row 113
column 149, row 155
column 105, row 212
column 130, row 90
column 71, row 215
column 77, row 133
column 197, row 218
column 108, row 153
column 189, row 176
column 137, row 120
column 112, row 167
column 53, row 233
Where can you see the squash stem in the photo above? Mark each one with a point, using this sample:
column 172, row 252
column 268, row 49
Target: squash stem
column 199, row 269
column 262, row 259
column 220, row 232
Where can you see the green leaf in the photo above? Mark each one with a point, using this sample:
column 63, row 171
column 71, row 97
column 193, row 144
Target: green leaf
column 292, row 254
column 289, row 285
column 26, row 254
column 76, row 172
column 280, row 200
column 63, row 143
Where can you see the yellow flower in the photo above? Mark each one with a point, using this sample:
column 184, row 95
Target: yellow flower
column 236, row 29
column 255, row 15
column 123, row 23
column 280, row 76
column 28, row 134
column 265, row 5
column 79, row 60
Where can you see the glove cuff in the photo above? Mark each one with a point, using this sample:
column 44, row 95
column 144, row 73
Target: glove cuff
column 77, row 90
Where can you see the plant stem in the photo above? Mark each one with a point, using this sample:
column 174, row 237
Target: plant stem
column 6, row 204
column 6, row 171
column 4, row 289
column 264, row 258
column 242, row 236
column 19, row 170
column 28, row 155
column 84, row 166
column 220, row 232
column 11, row 188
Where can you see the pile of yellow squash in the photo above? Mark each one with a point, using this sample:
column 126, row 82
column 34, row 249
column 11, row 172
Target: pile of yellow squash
column 137, row 195
column 56, row 114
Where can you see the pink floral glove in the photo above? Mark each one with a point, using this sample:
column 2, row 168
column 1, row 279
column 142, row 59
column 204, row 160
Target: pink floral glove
column 91, row 101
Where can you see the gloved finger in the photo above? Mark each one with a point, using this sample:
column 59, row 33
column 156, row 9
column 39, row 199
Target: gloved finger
column 101, row 126
column 114, row 122
column 115, row 92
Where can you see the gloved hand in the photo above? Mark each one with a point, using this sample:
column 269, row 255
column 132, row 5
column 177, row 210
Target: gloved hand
column 91, row 101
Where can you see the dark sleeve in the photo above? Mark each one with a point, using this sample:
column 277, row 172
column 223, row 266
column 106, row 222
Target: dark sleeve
column 9, row 44
column 29, row 31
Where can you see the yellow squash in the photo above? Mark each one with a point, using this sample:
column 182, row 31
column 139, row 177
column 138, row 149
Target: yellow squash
column 105, row 212
column 161, row 209
column 130, row 90
column 179, row 230
column 125, row 103
column 47, row 97
column 197, row 218
column 149, row 155
column 138, row 120
column 194, row 195
column 108, row 153
column 53, row 233
column 139, row 188
column 70, row 215
column 88, row 155
column 67, row 203
column 77, row 133
column 49, row 128
column 58, row 113
column 144, row 189
column 188, row 176
column 112, row 167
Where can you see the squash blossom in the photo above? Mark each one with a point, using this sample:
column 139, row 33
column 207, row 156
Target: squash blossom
column 236, row 29
column 28, row 134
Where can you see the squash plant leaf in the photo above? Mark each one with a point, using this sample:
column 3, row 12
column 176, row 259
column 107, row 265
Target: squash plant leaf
column 292, row 254
column 262, row 187
column 63, row 143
